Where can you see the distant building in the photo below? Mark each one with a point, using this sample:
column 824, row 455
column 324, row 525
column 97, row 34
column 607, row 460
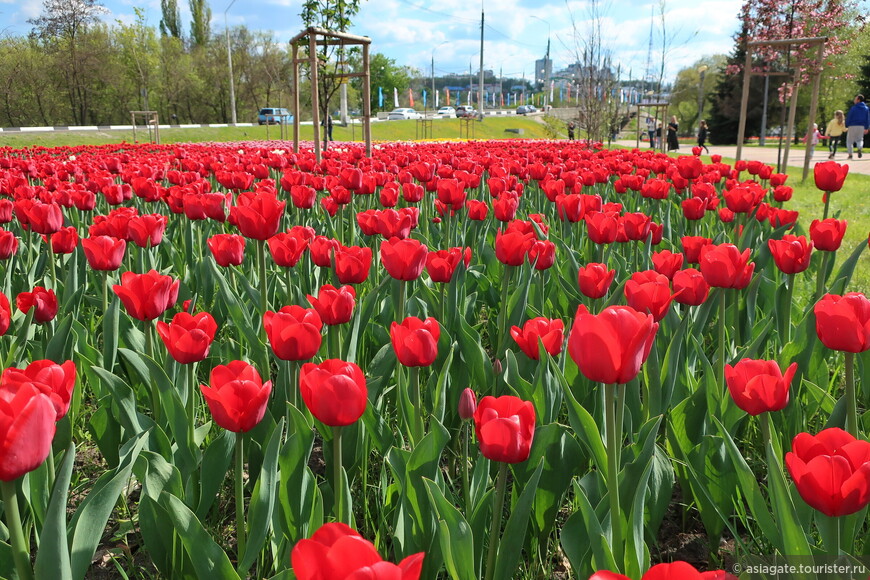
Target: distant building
column 543, row 71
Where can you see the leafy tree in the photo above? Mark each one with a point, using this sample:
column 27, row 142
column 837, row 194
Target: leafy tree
column 384, row 73
column 170, row 23
column 684, row 95
column 200, row 22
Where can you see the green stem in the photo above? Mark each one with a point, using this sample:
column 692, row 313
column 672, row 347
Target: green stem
column 851, row 406
column 191, row 401
column 497, row 509
column 293, row 398
column 820, row 277
column 240, row 495
column 613, row 452
column 788, row 306
column 827, row 204
column 51, row 267
column 338, row 480
column 441, row 303
column 105, row 294
column 721, row 361
column 400, row 307
column 20, row 546
column 503, row 307
column 543, row 288
column 416, row 403
column 466, row 488
column 264, row 305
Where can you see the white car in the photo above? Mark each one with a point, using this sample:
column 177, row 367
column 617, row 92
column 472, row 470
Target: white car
column 447, row 112
column 403, row 114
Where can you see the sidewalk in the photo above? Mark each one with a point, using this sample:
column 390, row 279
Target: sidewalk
column 768, row 155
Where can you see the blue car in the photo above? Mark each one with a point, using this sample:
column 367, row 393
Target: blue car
column 274, row 116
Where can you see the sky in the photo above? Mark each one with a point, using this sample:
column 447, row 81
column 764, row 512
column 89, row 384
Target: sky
column 412, row 32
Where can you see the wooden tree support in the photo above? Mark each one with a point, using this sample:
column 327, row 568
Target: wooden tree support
column 312, row 37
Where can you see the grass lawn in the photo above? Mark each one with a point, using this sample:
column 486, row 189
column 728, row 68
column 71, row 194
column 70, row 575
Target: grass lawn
column 490, row 128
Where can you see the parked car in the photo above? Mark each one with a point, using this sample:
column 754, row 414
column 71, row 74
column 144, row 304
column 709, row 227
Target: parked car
column 532, row 108
column 465, row 111
column 402, row 114
column 447, row 112
column 523, row 110
column 274, row 116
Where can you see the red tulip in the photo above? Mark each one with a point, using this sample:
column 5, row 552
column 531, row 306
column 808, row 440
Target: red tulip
column 352, row 264
column 610, row 347
column 441, row 264
column 188, row 338
column 394, row 224
column 791, row 254
column 827, row 235
column 146, row 296
column 293, row 332
column 477, row 210
column 649, row 292
column 678, row 570
column 505, row 427
column 830, row 175
column 27, row 426
column 403, row 259
column 415, row 341
column 550, row 332
column 236, row 396
column 692, row 247
column 104, row 253
column 694, row 208
column 667, row 263
column 334, row 305
column 65, row 240
column 505, row 207
column 542, row 254
column 44, row 218
column 511, row 247
column 147, row 230
column 44, row 303
column 601, row 227
column 831, row 471
column 8, row 244
column 303, row 196
column 51, row 379
column 594, row 280
column 758, row 386
column 5, row 314
column 257, row 215
column 690, row 288
column 337, row 552
column 286, row 249
column 227, row 249
column 843, row 322
column 725, row 266
column 334, row 391
column 467, row 404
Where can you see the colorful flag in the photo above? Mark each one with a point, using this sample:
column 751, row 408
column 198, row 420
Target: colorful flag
column 424, row 98
column 552, row 85
column 396, row 97
column 411, row 98
column 436, row 99
column 447, row 95
column 380, row 97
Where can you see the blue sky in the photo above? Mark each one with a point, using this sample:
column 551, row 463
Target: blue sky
column 515, row 34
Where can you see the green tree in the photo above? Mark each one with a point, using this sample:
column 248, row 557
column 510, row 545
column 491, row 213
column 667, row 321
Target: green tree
column 200, row 22
column 385, row 74
column 687, row 88
column 170, row 23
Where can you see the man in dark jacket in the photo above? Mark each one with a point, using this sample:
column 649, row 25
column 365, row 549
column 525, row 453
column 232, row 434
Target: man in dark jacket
column 857, row 125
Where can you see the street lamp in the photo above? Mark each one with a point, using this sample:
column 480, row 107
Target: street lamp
column 433, row 69
column 547, row 66
column 230, row 63
column 702, row 71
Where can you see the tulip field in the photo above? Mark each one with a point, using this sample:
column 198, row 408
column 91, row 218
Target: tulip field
column 465, row 360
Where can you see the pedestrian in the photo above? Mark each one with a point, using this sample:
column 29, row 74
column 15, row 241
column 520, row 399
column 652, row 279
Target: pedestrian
column 702, row 135
column 673, row 127
column 651, row 131
column 835, row 132
column 327, row 124
column 812, row 139
column 571, row 131
column 659, row 135
column 857, row 125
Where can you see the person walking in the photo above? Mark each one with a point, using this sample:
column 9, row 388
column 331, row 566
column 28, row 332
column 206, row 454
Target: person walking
column 651, row 131
column 702, row 135
column 812, row 139
column 857, row 125
column 673, row 127
column 835, row 132
column 571, row 131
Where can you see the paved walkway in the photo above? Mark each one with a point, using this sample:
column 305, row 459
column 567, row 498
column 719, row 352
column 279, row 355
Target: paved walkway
column 768, row 155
